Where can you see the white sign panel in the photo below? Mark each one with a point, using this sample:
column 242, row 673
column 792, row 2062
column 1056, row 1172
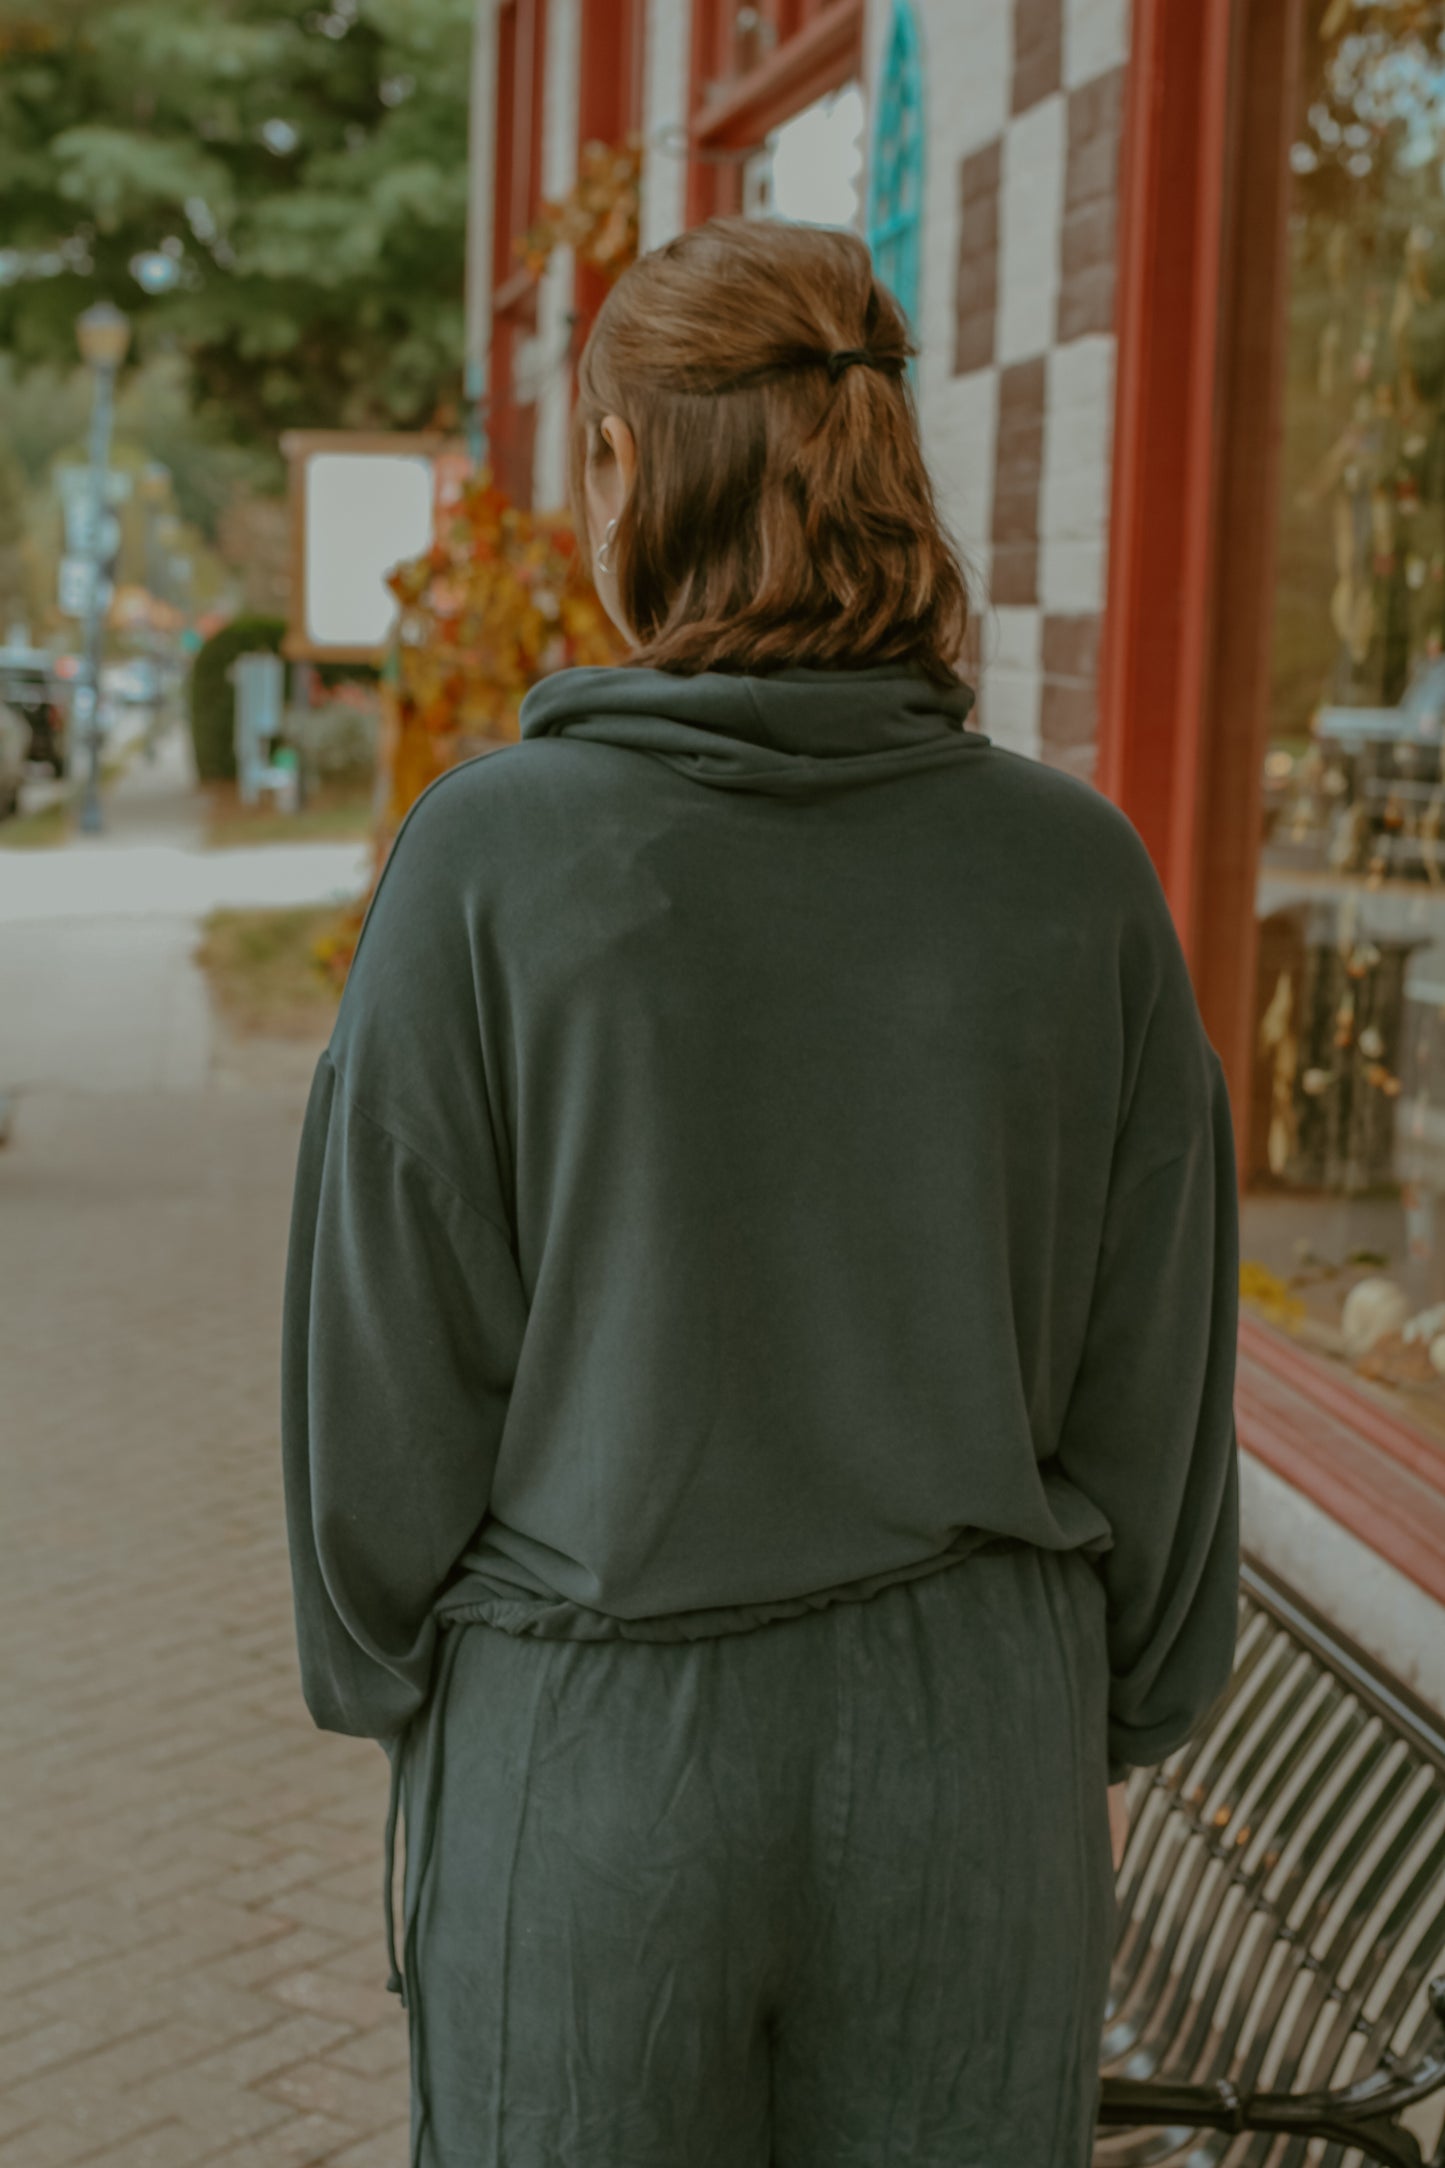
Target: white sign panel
column 365, row 513
column 81, row 532
column 77, row 575
column 77, row 496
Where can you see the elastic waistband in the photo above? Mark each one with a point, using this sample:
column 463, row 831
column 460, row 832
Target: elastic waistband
column 470, row 1602
column 480, row 1599
column 474, row 1601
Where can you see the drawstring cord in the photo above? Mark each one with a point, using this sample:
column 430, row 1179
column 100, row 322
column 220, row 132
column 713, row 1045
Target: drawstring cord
column 421, row 1820
column 395, row 1985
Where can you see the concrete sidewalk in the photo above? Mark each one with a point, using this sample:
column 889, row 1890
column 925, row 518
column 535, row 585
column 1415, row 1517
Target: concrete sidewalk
column 191, row 1945
column 98, row 990
column 149, row 859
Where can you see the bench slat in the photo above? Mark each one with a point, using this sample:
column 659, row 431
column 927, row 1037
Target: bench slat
column 1282, row 1916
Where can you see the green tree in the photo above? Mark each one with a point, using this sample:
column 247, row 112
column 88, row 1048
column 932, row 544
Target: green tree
column 303, row 169
column 45, row 410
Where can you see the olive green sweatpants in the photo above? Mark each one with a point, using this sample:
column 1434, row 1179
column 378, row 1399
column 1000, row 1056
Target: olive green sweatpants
column 835, row 1892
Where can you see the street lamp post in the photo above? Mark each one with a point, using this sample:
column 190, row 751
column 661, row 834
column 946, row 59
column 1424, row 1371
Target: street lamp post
column 154, row 492
column 103, row 334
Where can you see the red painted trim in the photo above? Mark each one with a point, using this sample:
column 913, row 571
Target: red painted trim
column 1200, row 532
column 505, row 125
column 1378, row 1476
column 524, row 190
column 819, row 48
column 1348, row 1401
column 806, row 66
column 514, row 290
column 521, row 52
column 1118, row 744
column 609, row 106
column 1200, row 317
column 1201, row 327
column 1225, row 818
column 1156, row 627
column 1184, row 667
column 611, row 70
column 711, row 190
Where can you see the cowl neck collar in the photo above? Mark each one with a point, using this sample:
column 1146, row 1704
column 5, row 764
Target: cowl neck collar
column 797, row 731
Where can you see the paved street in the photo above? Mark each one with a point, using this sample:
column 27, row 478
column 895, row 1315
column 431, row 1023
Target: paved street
column 191, row 1953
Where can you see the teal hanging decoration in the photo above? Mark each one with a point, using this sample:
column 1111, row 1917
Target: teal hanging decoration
column 895, row 181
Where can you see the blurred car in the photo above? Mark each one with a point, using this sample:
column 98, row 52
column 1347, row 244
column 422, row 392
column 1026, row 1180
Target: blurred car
column 30, row 686
column 14, row 746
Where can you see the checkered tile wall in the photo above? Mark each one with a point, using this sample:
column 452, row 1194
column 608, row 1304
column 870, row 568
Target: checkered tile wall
column 1017, row 370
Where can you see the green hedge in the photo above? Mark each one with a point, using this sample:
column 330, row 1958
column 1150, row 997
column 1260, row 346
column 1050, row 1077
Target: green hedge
column 213, row 699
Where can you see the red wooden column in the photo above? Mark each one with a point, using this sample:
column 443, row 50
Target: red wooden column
column 609, row 106
column 1184, row 721
column 521, row 54
column 1202, row 296
column 743, row 84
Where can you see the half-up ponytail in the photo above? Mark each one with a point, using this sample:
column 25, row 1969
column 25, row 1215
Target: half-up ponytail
column 782, row 513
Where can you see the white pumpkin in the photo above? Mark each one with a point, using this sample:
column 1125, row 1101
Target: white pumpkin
column 1426, row 1325
column 1373, row 1308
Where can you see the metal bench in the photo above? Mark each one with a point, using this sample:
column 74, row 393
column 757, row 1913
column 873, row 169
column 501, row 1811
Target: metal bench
column 1278, row 1991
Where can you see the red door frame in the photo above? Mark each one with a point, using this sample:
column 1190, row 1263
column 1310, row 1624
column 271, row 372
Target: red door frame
column 610, row 102
column 1184, row 702
column 1172, row 188
column 817, row 46
column 521, row 65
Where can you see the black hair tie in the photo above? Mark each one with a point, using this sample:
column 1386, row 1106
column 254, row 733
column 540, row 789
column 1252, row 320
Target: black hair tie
column 845, row 358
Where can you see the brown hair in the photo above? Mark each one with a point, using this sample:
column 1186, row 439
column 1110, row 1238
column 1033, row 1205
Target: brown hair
column 781, row 514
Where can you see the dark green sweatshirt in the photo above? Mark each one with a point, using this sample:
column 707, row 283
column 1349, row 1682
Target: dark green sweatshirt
column 767, row 1147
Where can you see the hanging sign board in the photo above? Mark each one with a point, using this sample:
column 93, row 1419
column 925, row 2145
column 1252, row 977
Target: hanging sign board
column 360, row 504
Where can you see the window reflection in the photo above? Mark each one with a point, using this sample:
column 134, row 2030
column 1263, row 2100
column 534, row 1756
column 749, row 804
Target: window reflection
column 1344, row 1223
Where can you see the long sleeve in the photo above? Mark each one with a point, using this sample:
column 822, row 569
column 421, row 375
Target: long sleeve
column 403, row 1316
column 404, row 1309
column 1149, row 1431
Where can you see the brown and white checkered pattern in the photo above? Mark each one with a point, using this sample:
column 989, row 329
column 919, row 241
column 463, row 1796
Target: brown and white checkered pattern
column 1024, row 113
column 1023, row 110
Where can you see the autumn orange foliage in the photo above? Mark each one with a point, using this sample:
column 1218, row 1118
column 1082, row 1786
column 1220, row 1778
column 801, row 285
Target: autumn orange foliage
column 497, row 603
column 598, row 218
column 500, row 599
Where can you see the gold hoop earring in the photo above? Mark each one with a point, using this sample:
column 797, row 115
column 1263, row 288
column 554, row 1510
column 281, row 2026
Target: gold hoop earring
column 603, row 553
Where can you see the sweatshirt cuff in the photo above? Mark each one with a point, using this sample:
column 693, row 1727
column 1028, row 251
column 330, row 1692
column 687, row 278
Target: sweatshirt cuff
column 1118, row 1771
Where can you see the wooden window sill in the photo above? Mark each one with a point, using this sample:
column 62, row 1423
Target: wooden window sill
column 1375, row 1472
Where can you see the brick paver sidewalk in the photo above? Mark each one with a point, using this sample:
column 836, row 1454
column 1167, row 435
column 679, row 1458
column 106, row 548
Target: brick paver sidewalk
column 191, row 1952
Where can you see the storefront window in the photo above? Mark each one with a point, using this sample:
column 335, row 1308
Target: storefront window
column 1344, row 1219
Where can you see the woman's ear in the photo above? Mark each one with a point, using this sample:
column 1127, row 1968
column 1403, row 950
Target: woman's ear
column 624, row 448
column 608, row 481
